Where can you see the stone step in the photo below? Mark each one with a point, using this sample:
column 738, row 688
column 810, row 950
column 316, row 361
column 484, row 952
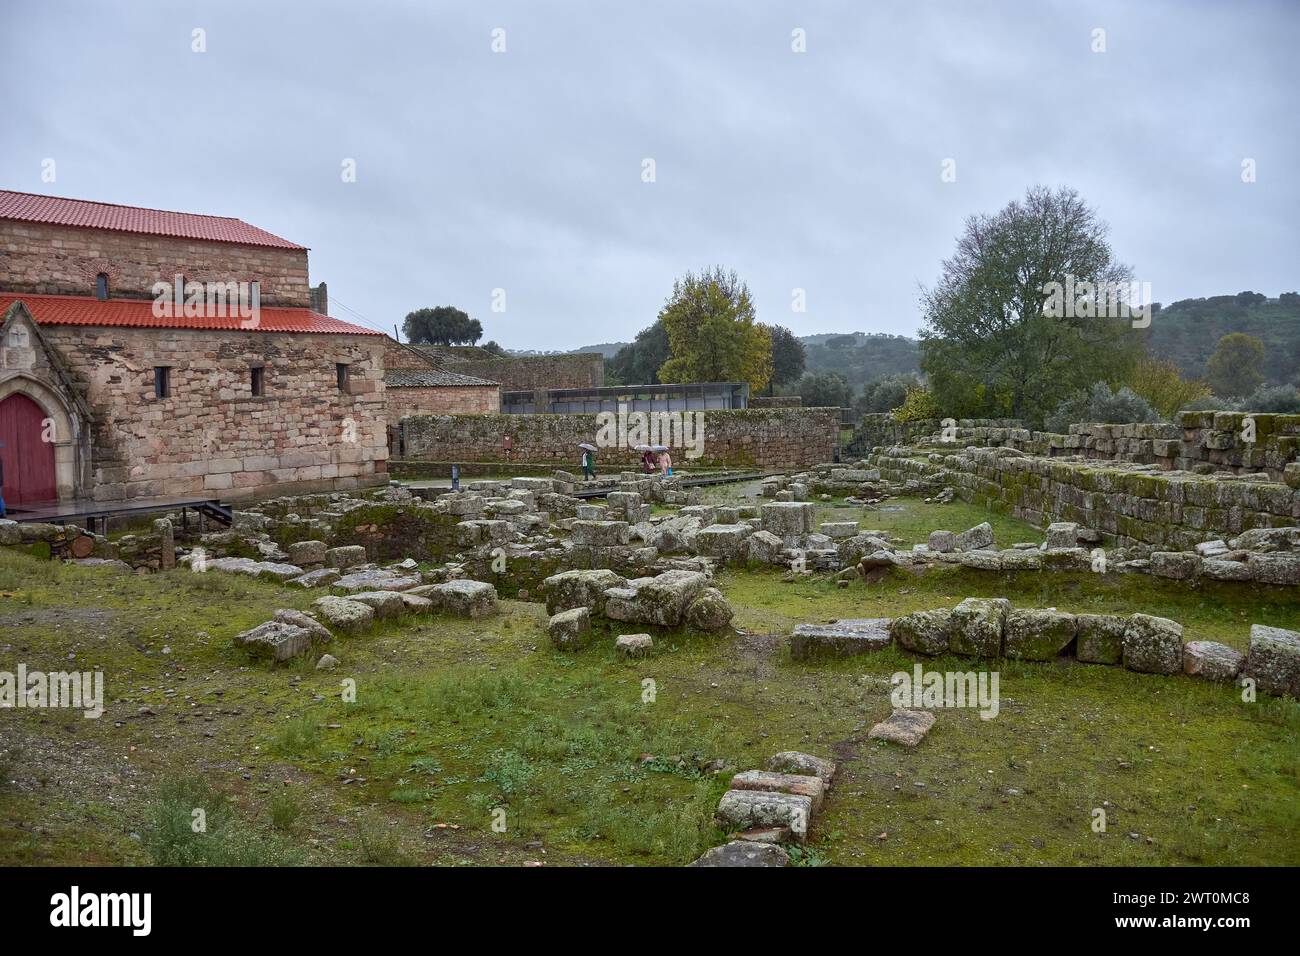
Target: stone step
column 740, row 810
column 768, row 781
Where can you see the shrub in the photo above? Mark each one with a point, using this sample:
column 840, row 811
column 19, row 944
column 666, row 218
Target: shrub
column 222, row 840
column 1103, row 405
column 918, row 405
column 1160, row 383
column 1281, row 399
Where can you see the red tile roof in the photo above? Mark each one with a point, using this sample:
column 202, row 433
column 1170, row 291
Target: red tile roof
column 30, row 207
column 138, row 313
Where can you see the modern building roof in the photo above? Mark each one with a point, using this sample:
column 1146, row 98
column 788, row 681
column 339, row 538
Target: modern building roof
column 432, row 378
column 138, row 313
column 56, row 211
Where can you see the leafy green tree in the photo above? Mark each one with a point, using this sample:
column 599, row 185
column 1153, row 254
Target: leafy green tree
column 788, row 356
column 443, row 325
column 1235, row 368
column 824, row 390
column 493, row 347
column 991, row 346
column 638, row 363
column 712, row 335
column 886, row 394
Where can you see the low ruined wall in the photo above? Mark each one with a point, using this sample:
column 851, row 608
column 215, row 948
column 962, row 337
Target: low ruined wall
column 1203, row 442
column 759, row 438
column 1128, row 504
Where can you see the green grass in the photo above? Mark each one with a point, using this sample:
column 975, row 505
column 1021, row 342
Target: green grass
column 458, row 725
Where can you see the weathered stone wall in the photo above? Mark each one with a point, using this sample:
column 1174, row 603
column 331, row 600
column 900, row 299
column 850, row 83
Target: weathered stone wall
column 442, row 400
column 764, row 438
column 522, row 372
column 212, row 435
column 64, row 260
column 527, row 372
column 1204, row 442
column 1130, row 504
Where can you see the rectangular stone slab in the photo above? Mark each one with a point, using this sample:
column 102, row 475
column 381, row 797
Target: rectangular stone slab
column 844, row 638
column 750, row 809
column 799, row 784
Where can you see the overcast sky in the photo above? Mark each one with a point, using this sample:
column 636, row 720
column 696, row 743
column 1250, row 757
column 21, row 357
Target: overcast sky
column 523, row 170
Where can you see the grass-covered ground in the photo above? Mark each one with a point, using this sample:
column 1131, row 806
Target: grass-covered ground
column 455, row 721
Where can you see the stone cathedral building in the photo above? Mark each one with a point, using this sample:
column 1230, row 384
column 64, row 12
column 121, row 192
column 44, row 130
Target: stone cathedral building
column 233, row 382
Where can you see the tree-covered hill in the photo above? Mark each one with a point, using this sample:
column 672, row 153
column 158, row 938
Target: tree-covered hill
column 1186, row 332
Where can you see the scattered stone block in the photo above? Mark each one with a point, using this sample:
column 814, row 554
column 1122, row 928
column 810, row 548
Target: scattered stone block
column 807, row 785
column 464, row 598
column 571, row 629
column 376, row 580
column 925, row 632
column 315, row 579
column 839, row 529
column 307, row 554
column 744, row 853
column 1224, row 570
column 634, row 645
column 1153, row 645
column 384, row 603
column 1178, row 565
column 320, row 634
column 1100, row 638
column 327, row 662
column 942, row 541
column 793, row 761
column 1061, row 534
column 749, row 809
column 726, row 542
column 763, row 547
column 600, row 534
column 977, row 538
column 710, row 611
column 1273, row 660
column 348, row 556
column 1212, row 661
column 905, row 727
column 274, row 641
column 343, row 614
column 580, row 588
column 844, row 638
column 1038, row 635
column 975, row 627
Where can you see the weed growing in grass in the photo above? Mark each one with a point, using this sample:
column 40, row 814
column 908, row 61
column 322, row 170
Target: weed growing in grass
column 299, row 737
column 177, row 835
column 285, row 810
column 379, row 844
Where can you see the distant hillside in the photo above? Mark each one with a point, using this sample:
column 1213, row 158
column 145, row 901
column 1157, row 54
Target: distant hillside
column 1187, row 331
column 607, row 349
column 862, row 357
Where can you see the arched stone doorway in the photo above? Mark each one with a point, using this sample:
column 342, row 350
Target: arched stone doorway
column 26, row 452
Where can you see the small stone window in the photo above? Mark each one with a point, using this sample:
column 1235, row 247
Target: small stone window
column 257, row 379
column 18, row 337
column 162, row 381
column 101, row 286
column 341, row 372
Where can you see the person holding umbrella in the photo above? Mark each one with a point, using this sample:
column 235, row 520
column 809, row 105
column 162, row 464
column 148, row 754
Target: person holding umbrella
column 588, row 461
column 648, row 462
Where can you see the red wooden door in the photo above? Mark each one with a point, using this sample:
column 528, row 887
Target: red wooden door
column 28, row 461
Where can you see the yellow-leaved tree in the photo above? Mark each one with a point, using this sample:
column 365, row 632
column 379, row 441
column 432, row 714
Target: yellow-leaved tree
column 712, row 335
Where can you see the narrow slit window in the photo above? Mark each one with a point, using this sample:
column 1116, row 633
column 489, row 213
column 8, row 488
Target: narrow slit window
column 341, row 372
column 162, row 381
column 101, row 286
column 258, row 380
